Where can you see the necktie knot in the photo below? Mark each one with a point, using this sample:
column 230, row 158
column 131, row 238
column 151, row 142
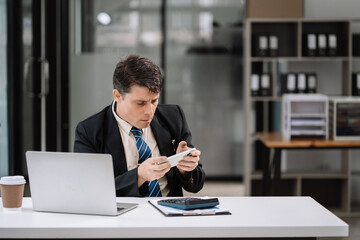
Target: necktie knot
column 137, row 132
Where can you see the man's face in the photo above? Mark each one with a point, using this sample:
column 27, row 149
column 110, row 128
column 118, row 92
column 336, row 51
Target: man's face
column 137, row 107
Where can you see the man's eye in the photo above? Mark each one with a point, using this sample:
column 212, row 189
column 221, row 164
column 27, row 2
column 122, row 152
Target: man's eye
column 141, row 103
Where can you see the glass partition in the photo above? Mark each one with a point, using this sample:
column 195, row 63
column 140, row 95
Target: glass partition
column 103, row 32
column 203, row 65
column 118, row 27
column 204, row 73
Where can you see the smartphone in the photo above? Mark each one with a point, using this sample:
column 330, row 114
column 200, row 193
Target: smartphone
column 174, row 159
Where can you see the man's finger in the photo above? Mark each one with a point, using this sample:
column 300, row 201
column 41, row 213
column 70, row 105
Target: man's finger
column 195, row 153
column 156, row 159
column 182, row 144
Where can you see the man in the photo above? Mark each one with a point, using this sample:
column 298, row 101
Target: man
column 139, row 134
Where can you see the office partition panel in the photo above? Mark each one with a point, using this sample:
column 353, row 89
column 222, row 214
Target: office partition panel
column 4, row 152
column 37, row 79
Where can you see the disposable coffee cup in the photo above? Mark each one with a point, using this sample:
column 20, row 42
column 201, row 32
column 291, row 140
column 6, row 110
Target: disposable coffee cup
column 12, row 191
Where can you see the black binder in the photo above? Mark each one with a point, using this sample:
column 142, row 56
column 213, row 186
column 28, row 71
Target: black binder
column 263, row 46
column 273, row 45
column 310, row 46
column 255, row 85
column 356, row 84
column 265, row 84
column 332, row 45
column 356, row 45
column 288, row 83
column 322, row 45
column 311, row 82
column 301, row 83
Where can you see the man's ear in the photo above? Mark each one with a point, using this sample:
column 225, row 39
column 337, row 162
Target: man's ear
column 117, row 95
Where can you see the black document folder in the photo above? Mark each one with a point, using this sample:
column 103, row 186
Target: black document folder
column 332, row 45
column 260, row 45
column 311, row 82
column 273, row 45
column 356, row 45
column 310, row 45
column 288, row 83
column 356, row 84
column 255, row 85
column 265, row 84
column 301, row 83
column 322, row 45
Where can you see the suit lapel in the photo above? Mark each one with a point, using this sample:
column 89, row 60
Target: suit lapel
column 114, row 143
column 162, row 136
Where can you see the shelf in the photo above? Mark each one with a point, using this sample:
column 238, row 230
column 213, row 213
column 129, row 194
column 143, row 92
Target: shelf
column 356, row 173
column 301, row 59
column 286, row 187
column 269, row 59
column 340, row 28
column 326, row 191
column 312, row 115
column 324, row 59
column 330, row 188
column 259, row 99
column 286, row 33
column 305, row 175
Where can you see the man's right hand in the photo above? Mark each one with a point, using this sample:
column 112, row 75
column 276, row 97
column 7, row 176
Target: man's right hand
column 149, row 170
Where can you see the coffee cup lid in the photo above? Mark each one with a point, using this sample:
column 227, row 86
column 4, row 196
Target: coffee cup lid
column 12, row 180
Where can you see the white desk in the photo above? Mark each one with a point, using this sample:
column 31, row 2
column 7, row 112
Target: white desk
column 252, row 217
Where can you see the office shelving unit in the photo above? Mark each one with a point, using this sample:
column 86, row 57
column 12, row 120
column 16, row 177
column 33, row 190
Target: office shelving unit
column 291, row 33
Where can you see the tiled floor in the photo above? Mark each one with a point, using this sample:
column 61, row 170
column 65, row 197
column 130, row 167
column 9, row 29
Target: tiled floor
column 237, row 189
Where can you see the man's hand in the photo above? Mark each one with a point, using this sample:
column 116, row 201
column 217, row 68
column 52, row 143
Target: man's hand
column 190, row 162
column 149, row 170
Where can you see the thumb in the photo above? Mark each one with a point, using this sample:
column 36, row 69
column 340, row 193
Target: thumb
column 181, row 147
column 182, row 144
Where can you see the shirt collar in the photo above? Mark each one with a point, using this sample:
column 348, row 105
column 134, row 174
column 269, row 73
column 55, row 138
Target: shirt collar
column 125, row 126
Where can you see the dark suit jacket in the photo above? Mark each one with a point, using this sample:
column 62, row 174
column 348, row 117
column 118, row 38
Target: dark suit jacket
column 100, row 134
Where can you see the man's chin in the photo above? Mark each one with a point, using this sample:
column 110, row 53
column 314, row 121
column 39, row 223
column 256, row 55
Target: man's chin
column 144, row 124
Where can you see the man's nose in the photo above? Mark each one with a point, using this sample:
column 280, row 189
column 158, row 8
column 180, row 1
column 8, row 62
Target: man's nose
column 150, row 109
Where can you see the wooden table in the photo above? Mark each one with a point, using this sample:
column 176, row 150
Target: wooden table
column 276, row 141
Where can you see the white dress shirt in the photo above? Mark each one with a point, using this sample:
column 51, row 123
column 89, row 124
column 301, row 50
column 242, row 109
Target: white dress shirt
column 131, row 151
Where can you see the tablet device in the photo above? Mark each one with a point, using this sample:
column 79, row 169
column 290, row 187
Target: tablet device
column 174, row 159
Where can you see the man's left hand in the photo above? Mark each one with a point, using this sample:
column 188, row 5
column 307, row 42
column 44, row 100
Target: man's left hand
column 190, row 162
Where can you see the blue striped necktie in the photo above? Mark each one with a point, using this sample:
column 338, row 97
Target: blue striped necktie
column 145, row 153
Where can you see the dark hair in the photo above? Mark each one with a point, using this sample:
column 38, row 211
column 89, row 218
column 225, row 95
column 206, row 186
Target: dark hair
column 136, row 70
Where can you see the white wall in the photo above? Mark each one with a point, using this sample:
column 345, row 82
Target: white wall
column 332, row 9
column 91, row 87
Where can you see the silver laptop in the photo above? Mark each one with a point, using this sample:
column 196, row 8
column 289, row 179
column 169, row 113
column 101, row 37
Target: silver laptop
column 73, row 183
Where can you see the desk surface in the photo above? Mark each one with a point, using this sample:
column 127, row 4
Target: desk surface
column 251, row 217
column 276, row 140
